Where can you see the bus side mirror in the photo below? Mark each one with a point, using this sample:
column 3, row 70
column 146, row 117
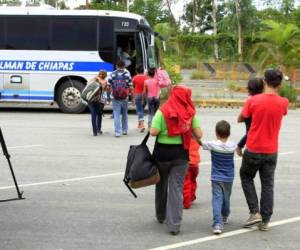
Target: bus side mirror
column 162, row 40
column 164, row 46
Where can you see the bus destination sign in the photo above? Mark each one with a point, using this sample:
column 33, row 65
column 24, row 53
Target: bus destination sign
column 125, row 24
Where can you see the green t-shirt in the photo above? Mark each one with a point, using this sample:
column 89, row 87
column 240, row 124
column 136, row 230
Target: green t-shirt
column 159, row 123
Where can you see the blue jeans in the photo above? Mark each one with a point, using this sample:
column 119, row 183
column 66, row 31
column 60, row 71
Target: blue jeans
column 96, row 110
column 221, row 192
column 153, row 105
column 139, row 107
column 120, row 108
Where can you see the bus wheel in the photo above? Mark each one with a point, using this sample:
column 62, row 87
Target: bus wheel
column 69, row 97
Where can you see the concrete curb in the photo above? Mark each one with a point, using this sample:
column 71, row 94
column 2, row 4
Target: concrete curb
column 229, row 103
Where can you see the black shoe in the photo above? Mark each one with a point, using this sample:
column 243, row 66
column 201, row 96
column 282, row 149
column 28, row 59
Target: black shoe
column 175, row 232
column 160, row 221
column 100, row 132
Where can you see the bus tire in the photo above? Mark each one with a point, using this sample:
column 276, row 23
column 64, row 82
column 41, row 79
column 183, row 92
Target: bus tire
column 69, row 97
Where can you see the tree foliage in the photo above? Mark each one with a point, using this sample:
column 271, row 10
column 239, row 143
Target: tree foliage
column 10, row 2
column 296, row 17
column 107, row 5
column 249, row 17
column 57, row 4
column 203, row 14
column 271, row 33
column 152, row 10
column 287, row 7
column 279, row 44
column 272, row 14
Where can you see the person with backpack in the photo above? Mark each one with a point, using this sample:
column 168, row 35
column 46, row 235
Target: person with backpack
column 152, row 91
column 96, row 102
column 120, row 84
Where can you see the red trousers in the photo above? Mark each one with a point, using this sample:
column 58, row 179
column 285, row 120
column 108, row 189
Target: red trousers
column 190, row 186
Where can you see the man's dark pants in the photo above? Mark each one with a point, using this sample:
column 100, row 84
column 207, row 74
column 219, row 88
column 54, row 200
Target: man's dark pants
column 265, row 164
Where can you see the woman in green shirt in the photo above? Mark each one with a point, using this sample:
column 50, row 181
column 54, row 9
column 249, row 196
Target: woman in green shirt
column 174, row 125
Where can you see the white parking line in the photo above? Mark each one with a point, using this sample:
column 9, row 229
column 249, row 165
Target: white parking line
column 64, row 180
column 25, row 146
column 286, row 153
column 99, row 176
column 224, row 235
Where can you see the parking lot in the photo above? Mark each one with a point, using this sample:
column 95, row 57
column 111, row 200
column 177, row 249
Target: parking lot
column 75, row 198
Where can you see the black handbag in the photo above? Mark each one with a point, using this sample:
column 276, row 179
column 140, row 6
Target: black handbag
column 141, row 168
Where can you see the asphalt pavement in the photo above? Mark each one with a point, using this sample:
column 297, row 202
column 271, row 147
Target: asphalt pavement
column 75, row 198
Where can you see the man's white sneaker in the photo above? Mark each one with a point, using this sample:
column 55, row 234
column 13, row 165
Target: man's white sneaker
column 217, row 229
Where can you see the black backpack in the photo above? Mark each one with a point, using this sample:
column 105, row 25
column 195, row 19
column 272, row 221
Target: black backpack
column 141, row 168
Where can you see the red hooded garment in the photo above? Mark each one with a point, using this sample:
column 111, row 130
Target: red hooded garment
column 179, row 112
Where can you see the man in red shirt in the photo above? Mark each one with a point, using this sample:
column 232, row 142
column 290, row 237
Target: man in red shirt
column 138, row 83
column 266, row 111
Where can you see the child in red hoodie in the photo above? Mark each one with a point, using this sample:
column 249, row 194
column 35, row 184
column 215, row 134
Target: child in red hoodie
column 190, row 183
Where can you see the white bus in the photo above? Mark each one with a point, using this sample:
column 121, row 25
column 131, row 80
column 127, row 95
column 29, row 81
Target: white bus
column 47, row 56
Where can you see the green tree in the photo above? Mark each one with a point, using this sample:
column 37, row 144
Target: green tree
column 57, row 4
column 272, row 14
column 199, row 13
column 240, row 18
column 106, row 5
column 272, row 3
column 152, row 10
column 10, row 2
column 296, row 17
column 287, row 7
column 171, row 15
column 278, row 44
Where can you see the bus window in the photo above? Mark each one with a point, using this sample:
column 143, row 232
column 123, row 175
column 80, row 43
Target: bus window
column 106, row 34
column 1, row 33
column 33, row 30
column 139, row 52
column 69, row 33
column 106, row 38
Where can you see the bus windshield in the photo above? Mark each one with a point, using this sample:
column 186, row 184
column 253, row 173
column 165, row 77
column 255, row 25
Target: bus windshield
column 152, row 57
column 151, row 51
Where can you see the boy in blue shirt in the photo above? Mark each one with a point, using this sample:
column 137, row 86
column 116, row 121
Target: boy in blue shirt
column 222, row 174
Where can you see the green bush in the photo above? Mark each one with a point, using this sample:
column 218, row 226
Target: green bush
column 190, row 58
column 197, row 75
column 233, row 86
column 169, row 63
column 189, row 62
column 164, row 94
column 289, row 92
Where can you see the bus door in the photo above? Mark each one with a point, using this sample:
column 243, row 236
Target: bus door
column 133, row 45
column 1, row 86
column 128, row 37
column 143, row 50
column 15, row 87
